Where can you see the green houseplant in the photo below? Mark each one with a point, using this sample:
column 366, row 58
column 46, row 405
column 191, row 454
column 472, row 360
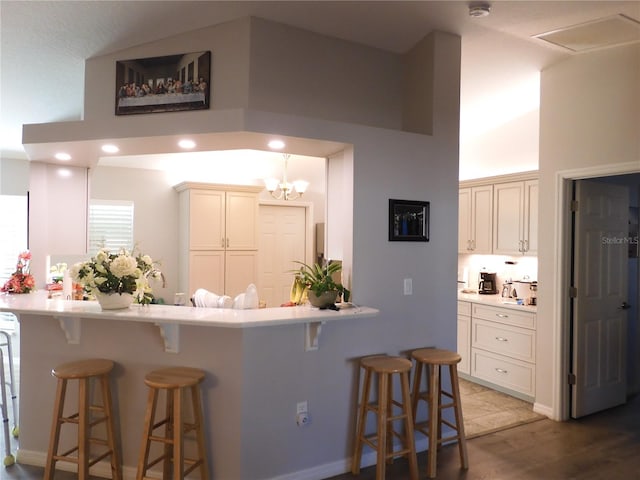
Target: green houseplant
column 319, row 283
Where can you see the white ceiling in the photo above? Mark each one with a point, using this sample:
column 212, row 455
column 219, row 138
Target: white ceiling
column 44, row 44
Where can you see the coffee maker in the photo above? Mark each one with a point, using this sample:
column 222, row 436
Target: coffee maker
column 487, row 285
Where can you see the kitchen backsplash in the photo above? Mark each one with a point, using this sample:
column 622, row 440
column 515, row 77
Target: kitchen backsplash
column 469, row 267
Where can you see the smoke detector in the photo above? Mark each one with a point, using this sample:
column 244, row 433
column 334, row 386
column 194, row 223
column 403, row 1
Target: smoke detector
column 478, row 10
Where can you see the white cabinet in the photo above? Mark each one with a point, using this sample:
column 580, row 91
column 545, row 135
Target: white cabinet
column 464, row 336
column 515, row 218
column 475, row 219
column 218, row 238
column 503, row 347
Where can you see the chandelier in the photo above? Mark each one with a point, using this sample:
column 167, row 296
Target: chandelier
column 282, row 189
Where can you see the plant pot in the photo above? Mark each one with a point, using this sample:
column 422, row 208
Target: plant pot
column 324, row 300
column 114, row 301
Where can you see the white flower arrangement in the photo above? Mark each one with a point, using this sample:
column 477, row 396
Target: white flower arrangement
column 122, row 272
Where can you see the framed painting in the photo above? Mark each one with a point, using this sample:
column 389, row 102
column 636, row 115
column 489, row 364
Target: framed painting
column 408, row 221
column 163, row 84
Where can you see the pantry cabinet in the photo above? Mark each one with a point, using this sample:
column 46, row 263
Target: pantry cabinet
column 515, row 218
column 475, row 219
column 218, row 239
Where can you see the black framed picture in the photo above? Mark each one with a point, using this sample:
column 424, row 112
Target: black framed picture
column 408, row 221
column 163, row 84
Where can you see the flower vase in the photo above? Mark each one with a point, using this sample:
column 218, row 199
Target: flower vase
column 114, row 301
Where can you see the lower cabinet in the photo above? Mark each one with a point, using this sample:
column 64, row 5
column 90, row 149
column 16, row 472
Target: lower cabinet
column 464, row 335
column 502, row 345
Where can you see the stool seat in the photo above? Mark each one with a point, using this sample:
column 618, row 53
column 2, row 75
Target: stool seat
column 434, row 359
column 174, row 377
column 384, row 367
column 82, row 369
column 88, row 416
column 436, row 356
column 386, row 364
column 174, row 381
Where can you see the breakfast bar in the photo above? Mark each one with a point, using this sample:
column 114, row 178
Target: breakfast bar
column 258, row 364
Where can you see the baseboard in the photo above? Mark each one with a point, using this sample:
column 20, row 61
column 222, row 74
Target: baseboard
column 100, row 469
column 543, row 410
column 319, row 472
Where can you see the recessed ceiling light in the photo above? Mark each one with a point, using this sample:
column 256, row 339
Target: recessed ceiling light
column 186, row 143
column 276, row 144
column 110, row 149
column 63, row 156
column 478, row 10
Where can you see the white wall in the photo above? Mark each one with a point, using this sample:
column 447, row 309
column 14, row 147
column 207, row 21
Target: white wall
column 589, row 118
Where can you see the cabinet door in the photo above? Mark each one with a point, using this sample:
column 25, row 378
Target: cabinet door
column 530, row 234
column 206, row 220
column 206, row 270
column 481, row 218
column 241, row 269
column 464, row 220
column 242, row 221
column 508, row 218
column 464, row 347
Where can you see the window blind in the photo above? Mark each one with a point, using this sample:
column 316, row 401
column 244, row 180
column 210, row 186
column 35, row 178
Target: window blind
column 110, row 225
column 13, row 239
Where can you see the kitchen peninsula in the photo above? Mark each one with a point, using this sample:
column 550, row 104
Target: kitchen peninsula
column 254, row 361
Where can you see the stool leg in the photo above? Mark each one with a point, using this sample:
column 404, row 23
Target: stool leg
column 12, row 385
column 8, row 459
column 389, row 446
column 178, row 439
column 383, row 390
column 360, row 425
column 152, row 400
column 116, row 465
column 54, row 438
column 462, row 440
column 198, row 420
column 169, row 436
column 434, row 407
column 408, row 427
column 415, row 396
column 83, row 429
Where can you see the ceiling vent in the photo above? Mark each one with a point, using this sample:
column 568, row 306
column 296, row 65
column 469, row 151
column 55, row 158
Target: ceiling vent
column 595, row 35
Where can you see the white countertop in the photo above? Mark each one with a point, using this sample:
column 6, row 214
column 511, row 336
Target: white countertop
column 38, row 304
column 495, row 301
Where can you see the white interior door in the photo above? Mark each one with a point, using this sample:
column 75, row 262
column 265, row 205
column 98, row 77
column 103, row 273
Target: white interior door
column 600, row 276
column 282, row 242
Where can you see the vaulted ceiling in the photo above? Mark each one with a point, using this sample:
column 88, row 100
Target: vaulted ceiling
column 44, row 44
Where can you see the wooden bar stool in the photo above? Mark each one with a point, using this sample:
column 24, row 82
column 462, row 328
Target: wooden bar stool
column 382, row 442
column 174, row 381
column 88, row 416
column 434, row 359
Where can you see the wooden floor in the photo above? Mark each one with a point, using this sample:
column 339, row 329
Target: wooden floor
column 599, row 447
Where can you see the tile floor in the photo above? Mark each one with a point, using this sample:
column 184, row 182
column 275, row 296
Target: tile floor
column 486, row 411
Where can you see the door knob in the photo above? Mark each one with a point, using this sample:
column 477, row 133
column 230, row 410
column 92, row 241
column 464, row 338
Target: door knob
column 625, row 306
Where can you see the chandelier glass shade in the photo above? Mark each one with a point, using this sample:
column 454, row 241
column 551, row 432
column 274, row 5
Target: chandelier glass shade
column 283, row 189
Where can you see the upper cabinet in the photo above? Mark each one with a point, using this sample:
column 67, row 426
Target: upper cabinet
column 515, row 218
column 475, row 219
column 499, row 215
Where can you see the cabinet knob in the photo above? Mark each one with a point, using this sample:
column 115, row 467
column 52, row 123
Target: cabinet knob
column 501, row 370
column 502, row 339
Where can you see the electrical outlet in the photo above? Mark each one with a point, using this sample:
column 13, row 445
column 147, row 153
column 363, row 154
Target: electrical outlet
column 408, row 286
column 303, row 419
column 302, row 407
